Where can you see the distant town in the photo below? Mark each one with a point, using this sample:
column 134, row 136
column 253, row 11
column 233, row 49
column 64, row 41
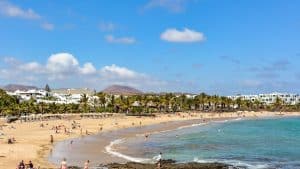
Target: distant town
column 270, row 98
column 74, row 95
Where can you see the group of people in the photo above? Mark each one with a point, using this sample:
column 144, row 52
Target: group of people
column 60, row 127
column 22, row 165
column 63, row 164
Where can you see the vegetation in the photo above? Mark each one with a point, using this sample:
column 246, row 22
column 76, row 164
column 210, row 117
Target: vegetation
column 145, row 104
column 47, row 88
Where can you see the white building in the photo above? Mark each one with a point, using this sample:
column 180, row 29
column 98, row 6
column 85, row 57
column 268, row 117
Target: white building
column 270, row 98
column 59, row 98
column 27, row 95
column 287, row 98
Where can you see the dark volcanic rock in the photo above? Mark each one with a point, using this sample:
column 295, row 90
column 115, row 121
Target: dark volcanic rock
column 169, row 164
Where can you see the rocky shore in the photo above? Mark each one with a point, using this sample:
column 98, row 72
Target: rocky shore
column 166, row 164
column 169, row 166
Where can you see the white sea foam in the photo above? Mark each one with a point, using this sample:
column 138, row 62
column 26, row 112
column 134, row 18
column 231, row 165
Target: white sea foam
column 192, row 125
column 237, row 119
column 109, row 149
column 235, row 163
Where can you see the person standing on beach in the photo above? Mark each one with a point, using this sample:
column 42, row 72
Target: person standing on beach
column 63, row 164
column 30, row 165
column 51, row 139
column 21, row 165
column 86, row 164
column 159, row 159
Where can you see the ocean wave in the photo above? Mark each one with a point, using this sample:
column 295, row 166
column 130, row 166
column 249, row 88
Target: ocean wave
column 237, row 119
column 236, row 163
column 192, row 125
column 109, row 149
column 206, row 123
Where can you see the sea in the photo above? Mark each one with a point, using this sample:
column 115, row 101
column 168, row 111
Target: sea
column 271, row 143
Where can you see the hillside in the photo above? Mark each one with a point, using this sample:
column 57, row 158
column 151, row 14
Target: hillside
column 121, row 90
column 14, row 87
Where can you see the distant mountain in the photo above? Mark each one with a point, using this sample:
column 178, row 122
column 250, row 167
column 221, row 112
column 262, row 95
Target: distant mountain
column 14, row 87
column 121, row 90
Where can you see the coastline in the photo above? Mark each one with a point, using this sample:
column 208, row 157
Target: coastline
column 116, row 148
column 33, row 142
column 84, row 148
column 120, row 152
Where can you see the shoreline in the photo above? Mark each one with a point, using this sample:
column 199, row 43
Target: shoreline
column 118, row 156
column 112, row 150
column 86, row 145
column 33, row 142
column 189, row 124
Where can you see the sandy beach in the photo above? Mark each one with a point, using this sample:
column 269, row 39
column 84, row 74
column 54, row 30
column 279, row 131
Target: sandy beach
column 33, row 139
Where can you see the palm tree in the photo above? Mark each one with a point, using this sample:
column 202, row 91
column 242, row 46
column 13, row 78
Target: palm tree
column 257, row 104
column 277, row 105
column 102, row 100
column 7, row 103
column 238, row 101
column 84, row 101
column 201, row 100
column 215, row 102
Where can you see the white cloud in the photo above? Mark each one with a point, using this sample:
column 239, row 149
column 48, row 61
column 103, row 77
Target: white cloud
column 47, row 26
column 88, row 68
column 10, row 60
column 186, row 35
column 10, row 10
column 107, row 26
column 170, row 5
column 121, row 40
column 64, row 70
column 31, row 66
column 115, row 71
column 62, row 63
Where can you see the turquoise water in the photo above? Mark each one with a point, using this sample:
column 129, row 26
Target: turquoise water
column 263, row 143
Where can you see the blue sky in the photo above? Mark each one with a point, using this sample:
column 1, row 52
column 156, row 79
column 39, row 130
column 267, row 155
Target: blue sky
column 218, row 47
